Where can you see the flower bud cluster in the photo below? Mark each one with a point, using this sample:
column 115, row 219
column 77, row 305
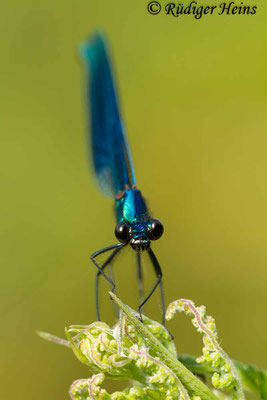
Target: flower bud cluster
column 121, row 353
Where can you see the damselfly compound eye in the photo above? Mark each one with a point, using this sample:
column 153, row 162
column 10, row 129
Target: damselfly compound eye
column 155, row 229
column 122, row 232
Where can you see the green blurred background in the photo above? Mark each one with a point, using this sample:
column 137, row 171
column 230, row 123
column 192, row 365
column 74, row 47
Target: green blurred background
column 193, row 95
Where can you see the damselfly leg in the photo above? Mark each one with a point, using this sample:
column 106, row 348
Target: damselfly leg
column 116, row 248
column 159, row 282
column 140, row 278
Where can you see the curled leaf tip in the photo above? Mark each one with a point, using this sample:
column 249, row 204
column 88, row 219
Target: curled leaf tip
column 226, row 376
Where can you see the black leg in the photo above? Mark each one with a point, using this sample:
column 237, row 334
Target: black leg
column 116, row 248
column 158, row 272
column 106, row 263
column 140, row 278
column 103, row 266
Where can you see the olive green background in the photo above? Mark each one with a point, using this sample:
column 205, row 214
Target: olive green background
column 193, row 95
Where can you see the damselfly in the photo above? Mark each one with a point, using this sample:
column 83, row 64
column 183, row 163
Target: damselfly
column 114, row 170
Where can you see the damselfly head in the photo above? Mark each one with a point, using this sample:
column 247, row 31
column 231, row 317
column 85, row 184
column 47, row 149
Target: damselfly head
column 139, row 234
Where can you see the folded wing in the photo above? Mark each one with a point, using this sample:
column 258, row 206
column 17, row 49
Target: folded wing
column 110, row 150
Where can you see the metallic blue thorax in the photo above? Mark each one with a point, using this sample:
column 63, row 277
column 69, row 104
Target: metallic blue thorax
column 131, row 207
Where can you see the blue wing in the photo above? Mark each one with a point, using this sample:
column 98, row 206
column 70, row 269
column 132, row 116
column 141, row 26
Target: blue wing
column 110, row 150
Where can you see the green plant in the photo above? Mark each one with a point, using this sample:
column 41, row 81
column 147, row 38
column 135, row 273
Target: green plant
column 145, row 354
